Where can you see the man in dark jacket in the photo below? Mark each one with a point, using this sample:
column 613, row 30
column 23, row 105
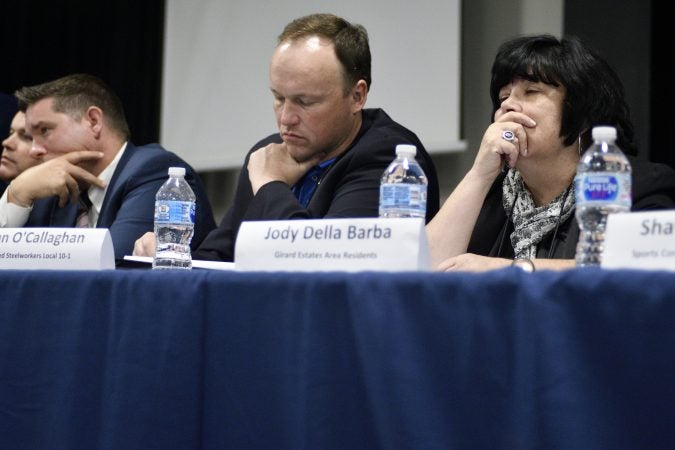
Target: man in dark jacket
column 330, row 152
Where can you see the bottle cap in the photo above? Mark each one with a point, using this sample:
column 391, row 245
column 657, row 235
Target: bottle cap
column 604, row 133
column 406, row 150
column 176, row 171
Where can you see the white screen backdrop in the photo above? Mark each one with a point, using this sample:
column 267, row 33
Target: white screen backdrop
column 215, row 96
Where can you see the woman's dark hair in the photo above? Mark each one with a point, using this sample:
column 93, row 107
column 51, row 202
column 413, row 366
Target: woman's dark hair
column 594, row 94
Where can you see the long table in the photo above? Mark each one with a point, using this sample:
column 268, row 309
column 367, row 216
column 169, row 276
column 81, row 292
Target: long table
column 207, row 359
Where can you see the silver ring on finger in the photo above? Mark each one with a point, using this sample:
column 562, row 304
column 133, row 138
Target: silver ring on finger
column 508, row 135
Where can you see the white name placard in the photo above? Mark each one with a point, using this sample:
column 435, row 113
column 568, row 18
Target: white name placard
column 640, row 240
column 333, row 245
column 56, row 249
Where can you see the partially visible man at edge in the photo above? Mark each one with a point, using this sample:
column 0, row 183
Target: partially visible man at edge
column 92, row 175
column 16, row 150
column 330, row 152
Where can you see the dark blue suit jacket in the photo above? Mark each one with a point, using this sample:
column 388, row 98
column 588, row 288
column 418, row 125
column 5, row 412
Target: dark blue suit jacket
column 129, row 204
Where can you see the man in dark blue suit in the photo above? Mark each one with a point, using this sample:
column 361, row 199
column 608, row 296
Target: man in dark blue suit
column 92, row 175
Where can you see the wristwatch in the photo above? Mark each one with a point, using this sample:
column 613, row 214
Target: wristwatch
column 525, row 264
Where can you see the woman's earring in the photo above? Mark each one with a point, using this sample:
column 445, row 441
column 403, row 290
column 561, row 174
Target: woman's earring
column 579, row 144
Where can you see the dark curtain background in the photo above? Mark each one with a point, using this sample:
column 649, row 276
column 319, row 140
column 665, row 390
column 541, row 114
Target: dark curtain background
column 663, row 84
column 119, row 41
column 636, row 38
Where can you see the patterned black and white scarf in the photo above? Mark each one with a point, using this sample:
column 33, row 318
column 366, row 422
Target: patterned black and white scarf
column 532, row 223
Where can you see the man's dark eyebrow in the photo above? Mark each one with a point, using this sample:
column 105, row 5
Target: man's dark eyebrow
column 39, row 124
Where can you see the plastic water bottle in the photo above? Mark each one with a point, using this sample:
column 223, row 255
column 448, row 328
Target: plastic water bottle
column 174, row 222
column 603, row 186
column 403, row 187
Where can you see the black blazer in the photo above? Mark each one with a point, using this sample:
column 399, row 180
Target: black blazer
column 350, row 187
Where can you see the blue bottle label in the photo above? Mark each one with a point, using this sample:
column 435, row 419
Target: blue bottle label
column 412, row 197
column 600, row 188
column 604, row 188
column 174, row 212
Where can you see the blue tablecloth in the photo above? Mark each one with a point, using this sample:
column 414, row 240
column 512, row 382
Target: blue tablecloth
column 204, row 359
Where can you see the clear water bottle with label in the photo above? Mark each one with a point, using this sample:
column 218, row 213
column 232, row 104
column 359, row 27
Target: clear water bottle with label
column 603, row 186
column 174, row 222
column 403, row 187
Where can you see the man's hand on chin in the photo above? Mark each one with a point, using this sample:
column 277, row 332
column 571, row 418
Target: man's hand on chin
column 275, row 163
column 61, row 176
